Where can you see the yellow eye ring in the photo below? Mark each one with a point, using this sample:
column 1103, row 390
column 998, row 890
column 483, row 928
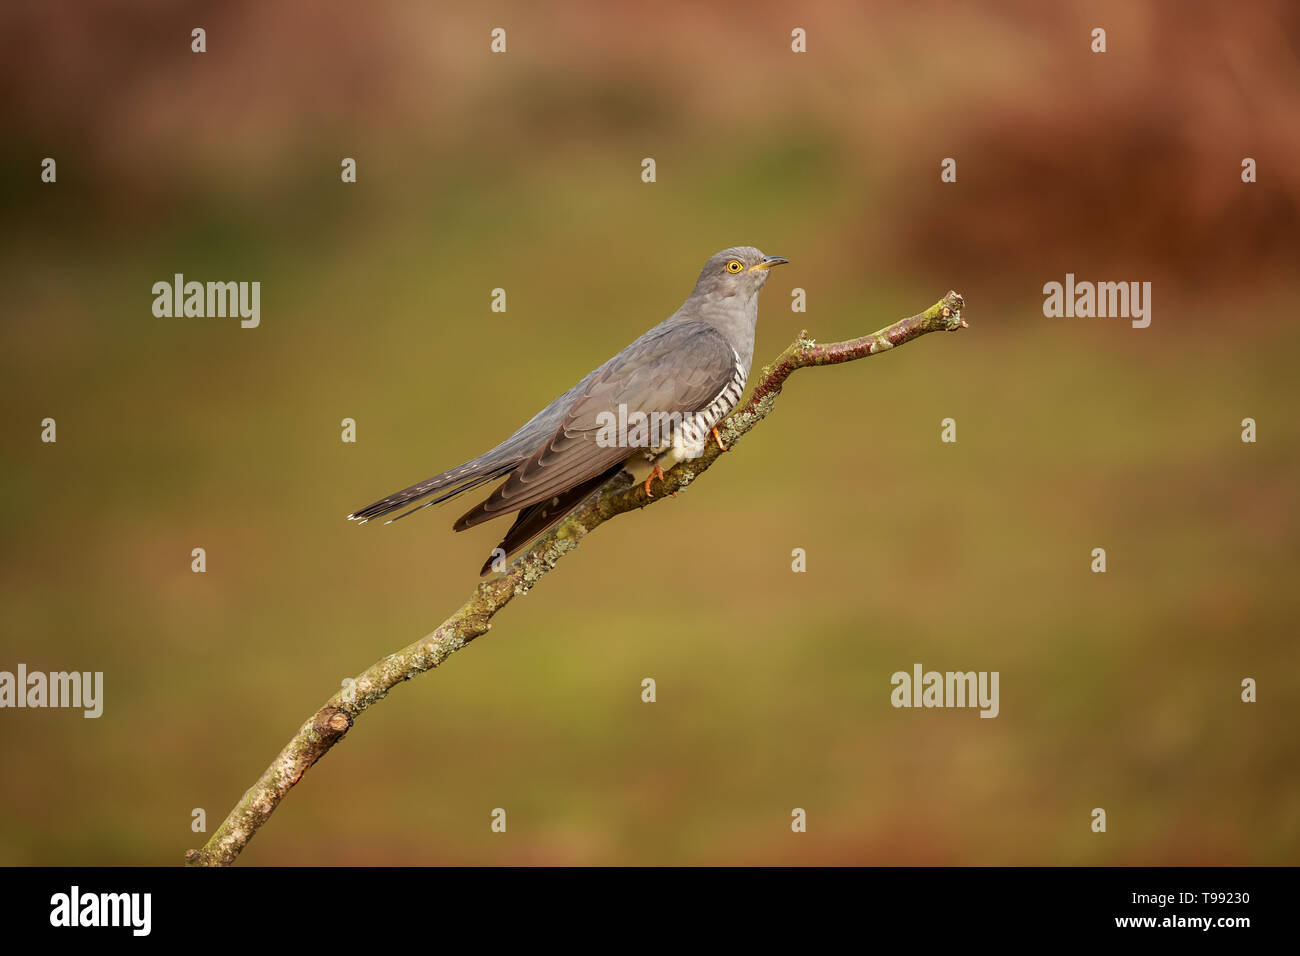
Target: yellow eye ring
column 734, row 266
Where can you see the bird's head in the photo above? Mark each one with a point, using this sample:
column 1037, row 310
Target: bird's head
column 738, row 271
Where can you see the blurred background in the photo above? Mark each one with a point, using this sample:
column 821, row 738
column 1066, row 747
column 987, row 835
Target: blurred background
column 522, row 171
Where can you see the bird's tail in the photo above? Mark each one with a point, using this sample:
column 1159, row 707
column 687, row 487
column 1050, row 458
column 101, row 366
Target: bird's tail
column 535, row 520
column 449, row 484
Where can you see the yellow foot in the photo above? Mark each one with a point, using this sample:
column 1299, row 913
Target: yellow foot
column 718, row 438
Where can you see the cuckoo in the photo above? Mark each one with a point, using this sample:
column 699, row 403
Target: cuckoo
column 672, row 386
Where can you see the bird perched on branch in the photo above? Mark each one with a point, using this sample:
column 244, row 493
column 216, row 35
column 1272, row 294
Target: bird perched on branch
column 686, row 374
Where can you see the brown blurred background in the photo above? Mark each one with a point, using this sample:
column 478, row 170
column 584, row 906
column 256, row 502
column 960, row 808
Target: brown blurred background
column 522, row 171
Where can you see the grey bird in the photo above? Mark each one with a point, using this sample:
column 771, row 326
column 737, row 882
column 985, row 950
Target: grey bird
column 690, row 370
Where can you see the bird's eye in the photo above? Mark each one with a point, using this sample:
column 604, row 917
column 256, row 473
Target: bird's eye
column 735, row 265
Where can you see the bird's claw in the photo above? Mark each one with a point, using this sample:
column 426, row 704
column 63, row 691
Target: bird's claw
column 656, row 472
column 718, row 438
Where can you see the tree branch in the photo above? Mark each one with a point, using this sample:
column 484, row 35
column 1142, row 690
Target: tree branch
column 328, row 725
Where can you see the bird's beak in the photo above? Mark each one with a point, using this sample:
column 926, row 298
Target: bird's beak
column 768, row 262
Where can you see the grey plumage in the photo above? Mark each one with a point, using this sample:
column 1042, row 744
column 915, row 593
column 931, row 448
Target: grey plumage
column 693, row 364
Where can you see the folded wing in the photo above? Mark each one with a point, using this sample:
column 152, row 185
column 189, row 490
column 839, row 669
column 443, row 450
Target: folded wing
column 679, row 369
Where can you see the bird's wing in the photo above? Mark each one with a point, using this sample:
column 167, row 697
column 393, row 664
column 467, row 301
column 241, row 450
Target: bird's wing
column 535, row 520
column 680, row 369
column 486, row 468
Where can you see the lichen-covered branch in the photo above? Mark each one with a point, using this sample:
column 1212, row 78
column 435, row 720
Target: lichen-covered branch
column 328, row 725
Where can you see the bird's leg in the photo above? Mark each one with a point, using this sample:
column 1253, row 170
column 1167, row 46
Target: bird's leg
column 718, row 438
column 655, row 472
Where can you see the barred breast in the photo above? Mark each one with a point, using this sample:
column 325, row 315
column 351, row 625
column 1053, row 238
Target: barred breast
column 695, row 427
